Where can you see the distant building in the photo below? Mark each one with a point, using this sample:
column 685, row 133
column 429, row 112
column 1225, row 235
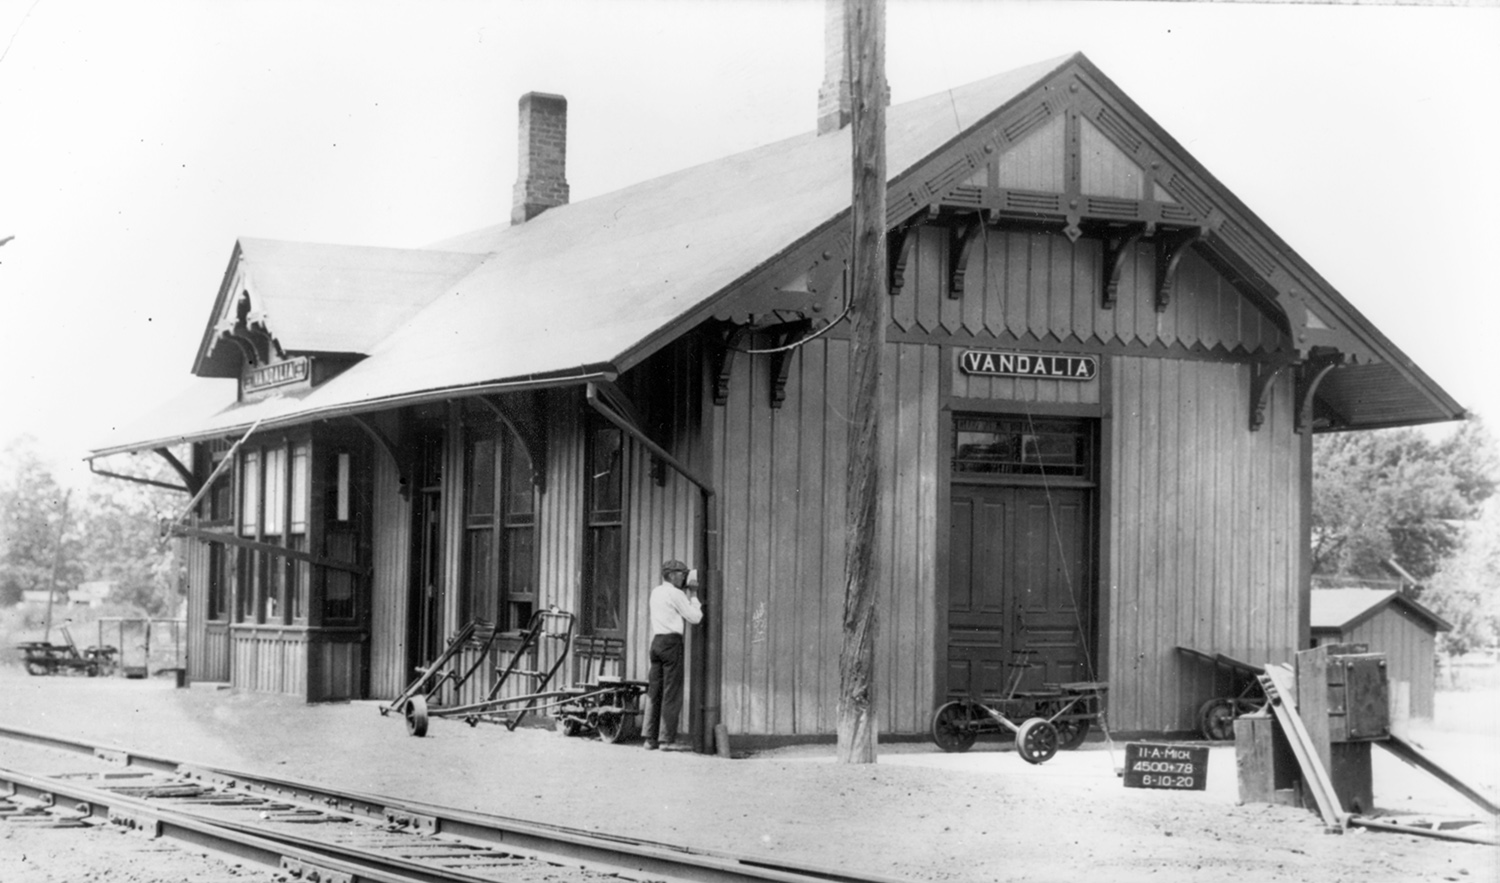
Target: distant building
column 1388, row 622
column 91, row 594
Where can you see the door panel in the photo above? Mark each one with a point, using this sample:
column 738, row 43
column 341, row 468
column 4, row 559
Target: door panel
column 1019, row 557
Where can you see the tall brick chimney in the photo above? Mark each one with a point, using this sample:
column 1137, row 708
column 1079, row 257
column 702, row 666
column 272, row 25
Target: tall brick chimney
column 542, row 156
column 835, row 103
column 835, row 100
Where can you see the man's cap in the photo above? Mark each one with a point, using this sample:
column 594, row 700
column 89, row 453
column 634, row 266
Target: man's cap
column 673, row 566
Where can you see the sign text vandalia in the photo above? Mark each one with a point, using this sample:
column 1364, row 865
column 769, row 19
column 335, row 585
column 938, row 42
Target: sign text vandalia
column 279, row 374
column 1006, row 364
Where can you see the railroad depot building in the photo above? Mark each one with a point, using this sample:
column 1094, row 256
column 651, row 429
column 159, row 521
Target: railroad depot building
column 1102, row 377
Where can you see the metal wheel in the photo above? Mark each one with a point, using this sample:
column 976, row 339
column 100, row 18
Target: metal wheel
column 1071, row 733
column 416, row 715
column 1216, row 719
column 1037, row 741
column 617, row 723
column 36, row 668
column 953, row 726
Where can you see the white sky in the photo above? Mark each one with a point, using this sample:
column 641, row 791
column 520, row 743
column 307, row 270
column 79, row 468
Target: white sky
column 139, row 140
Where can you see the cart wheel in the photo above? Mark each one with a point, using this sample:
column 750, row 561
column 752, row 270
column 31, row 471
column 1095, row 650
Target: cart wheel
column 1216, row 719
column 953, row 726
column 1071, row 733
column 35, row 668
column 1036, row 740
column 617, row 723
column 571, row 726
column 92, row 670
column 416, row 716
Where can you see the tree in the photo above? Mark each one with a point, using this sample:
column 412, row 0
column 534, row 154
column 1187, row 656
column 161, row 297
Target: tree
column 1466, row 589
column 1396, row 495
column 120, row 541
column 31, row 513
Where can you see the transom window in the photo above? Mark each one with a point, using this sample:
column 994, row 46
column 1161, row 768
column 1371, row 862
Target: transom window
column 1022, row 446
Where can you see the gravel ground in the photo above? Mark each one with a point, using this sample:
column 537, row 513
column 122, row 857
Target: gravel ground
column 918, row 814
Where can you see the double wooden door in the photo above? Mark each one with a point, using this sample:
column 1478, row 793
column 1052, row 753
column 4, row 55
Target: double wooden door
column 1018, row 588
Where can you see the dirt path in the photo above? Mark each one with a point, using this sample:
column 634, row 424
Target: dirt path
column 918, row 814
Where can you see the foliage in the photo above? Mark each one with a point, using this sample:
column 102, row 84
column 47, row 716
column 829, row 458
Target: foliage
column 33, row 509
column 110, row 532
column 1466, row 589
column 1396, row 495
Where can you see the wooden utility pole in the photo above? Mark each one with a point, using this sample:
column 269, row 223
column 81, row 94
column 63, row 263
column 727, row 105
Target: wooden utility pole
column 864, row 47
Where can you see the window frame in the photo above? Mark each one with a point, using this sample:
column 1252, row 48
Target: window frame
column 599, row 524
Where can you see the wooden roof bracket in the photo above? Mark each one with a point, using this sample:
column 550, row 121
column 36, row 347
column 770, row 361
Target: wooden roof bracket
column 722, row 347
column 1115, row 250
column 403, row 476
column 1309, row 375
column 1262, row 377
column 190, row 482
column 962, row 241
column 1170, row 247
column 781, row 360
column 899, row 244
column 529, row 431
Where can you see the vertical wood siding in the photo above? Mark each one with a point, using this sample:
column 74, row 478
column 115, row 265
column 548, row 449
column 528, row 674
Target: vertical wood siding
column 781, row 476
column 1410, row 653
column 199, row 661
column 1044, row 287
column 334, row 668
column 1204, row 519
column 391, row 562
column 270, row 661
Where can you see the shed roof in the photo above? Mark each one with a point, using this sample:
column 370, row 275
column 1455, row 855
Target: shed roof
column 591, row 288
column 1337, row 610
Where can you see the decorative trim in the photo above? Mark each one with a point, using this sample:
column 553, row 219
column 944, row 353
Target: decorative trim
column 1309, row 375
column 899, row 246
column 781, row 362
column 962, row 240
column 528, row 430
column 1262, row 379
column 722, row 348
column 403, row 476
column 1115, row 249
column 1170, row 247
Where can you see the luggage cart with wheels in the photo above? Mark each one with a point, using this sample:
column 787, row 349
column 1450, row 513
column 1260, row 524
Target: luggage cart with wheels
column 1057, row 717
column 1244, row 696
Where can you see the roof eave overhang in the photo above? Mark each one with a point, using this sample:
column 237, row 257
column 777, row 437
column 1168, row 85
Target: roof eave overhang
column 579, row 376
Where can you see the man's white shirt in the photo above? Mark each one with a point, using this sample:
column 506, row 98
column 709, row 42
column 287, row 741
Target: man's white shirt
column 672, row 609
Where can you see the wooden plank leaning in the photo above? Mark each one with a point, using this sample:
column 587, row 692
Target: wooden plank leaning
column 1412, row 755
column 1279, row 688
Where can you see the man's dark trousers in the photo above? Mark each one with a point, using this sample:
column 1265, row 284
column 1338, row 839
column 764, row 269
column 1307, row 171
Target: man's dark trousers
column 664, row 688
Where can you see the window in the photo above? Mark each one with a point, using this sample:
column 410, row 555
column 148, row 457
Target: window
column 341, row 534
column 499, row 581
column 219, row 559
column 274, row 508
column 1022, row 446
column 604, row 485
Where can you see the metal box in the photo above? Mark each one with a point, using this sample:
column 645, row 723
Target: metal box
column 1359, row 706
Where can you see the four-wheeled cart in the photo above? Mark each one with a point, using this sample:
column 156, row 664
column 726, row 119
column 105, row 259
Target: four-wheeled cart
column 1243, row 696
column 1056, row 717
column 43, row 658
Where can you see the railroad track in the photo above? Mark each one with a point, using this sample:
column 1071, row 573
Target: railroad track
column 318, row 834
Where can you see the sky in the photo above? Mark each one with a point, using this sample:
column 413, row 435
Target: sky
column 139, row 140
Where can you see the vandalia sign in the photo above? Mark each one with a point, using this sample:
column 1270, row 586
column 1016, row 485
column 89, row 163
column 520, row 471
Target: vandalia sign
column 1005, row 364
column 278, row 374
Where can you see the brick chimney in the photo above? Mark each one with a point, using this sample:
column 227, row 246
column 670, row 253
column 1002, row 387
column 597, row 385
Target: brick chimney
column 835, row 104
column 835, row 97
column 541, row 182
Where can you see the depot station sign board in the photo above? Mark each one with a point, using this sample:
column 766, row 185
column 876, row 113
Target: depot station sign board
column 1003, row 363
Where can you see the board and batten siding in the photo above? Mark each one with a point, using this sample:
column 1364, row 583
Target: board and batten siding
column 199, row 664
column 1410, row 648
column 780, row 478
column 1042, row 286
column 1205, row 525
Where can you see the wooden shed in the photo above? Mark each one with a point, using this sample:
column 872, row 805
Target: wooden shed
column 1102, row 377
column 1385, row 621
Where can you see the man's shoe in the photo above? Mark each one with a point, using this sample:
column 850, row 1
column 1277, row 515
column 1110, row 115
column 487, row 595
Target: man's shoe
column 650, row 744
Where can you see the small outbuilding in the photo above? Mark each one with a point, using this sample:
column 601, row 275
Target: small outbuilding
column 1386, row 621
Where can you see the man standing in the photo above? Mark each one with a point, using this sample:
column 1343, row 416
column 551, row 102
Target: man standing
column 671, row 610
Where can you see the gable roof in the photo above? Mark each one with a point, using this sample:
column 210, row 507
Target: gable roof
column 591, row 288
column 1338, row 610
